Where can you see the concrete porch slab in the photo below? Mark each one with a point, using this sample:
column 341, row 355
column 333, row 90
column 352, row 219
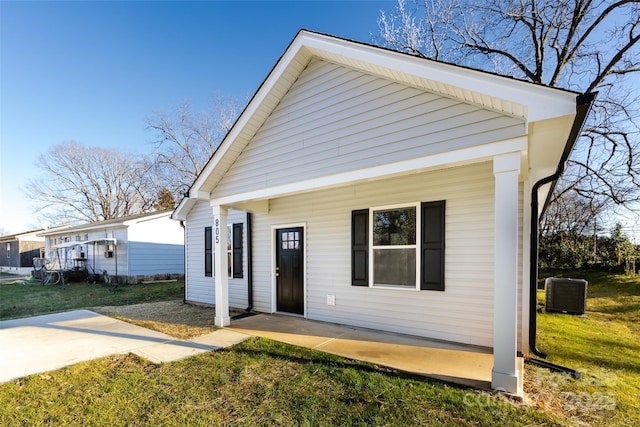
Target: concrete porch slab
column 460, row 364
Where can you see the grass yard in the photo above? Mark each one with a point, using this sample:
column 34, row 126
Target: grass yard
column 604, row 346
column 21, row 299
column 259, row 382
column 263, row 382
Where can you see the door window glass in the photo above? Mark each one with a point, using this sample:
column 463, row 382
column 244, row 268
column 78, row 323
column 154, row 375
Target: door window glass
column 291, row 240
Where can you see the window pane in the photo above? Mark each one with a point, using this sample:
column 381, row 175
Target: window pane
column 394, row 227
column 394, row 267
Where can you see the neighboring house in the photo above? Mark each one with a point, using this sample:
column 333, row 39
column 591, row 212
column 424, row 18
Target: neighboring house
column 134, row 247
column 17, row 251
column 372, row 188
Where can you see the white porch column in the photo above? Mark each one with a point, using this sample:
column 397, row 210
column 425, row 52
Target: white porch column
column 526, row 264
column 504, row 375
column 220, row 266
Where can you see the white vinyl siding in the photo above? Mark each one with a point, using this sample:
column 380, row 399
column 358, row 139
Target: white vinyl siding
column 145, row 246
column 199, row 288
column 335, row 119
column 97, row 262
column 238, row 296
column 462, row 313
column 148, row 259
column 156, row 246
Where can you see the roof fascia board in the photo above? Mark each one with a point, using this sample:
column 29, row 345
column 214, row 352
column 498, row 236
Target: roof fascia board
column 247, row 114
column 185, row 205
column 199, row 195
column 146, row 218
column 88, row 227
column 183, row 208
column 18, row 236
column 53, row 230
column 452, row 158
column 122, row 222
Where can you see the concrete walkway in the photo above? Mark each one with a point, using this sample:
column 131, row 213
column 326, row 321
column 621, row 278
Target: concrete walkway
column 460, row 364
column 43, row 343
column 10, row 278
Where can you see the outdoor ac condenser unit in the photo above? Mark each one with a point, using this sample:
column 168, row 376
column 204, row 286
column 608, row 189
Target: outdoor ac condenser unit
column 565, row 295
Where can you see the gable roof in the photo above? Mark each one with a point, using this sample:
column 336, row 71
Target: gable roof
column 109, row 223
column 20, row 236
column 509, row 96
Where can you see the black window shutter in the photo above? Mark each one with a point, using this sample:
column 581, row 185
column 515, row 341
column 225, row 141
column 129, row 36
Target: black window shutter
column 208, row 252
column 432, row 246
column 360, row 247
column 237, row 251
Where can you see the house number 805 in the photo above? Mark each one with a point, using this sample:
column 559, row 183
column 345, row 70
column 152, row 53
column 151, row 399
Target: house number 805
column 217, row 223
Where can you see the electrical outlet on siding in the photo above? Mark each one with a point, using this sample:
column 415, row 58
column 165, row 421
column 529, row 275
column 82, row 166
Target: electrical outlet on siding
column 331, row 300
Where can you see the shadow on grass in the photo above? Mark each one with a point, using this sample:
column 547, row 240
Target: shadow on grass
column 264, row 347
column 593, row 358
column 618, row 308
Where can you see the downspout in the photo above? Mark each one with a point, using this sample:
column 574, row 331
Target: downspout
column 184, row 257
column 583, row 106
column 249, row 265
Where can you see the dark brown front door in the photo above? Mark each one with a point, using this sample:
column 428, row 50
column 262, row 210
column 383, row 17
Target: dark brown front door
column 290, row 270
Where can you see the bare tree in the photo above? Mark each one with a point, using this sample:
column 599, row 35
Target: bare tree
column 89, row 184
column 573, row 214
column 582, row 45
column 186, row 139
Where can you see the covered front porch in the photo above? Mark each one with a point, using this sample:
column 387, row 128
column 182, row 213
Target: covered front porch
column 503, row 370
column 453, row 363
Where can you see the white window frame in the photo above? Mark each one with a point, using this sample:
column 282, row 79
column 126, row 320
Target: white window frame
column 416, row 246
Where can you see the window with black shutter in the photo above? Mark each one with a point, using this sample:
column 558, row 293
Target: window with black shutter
column 208, row 252
column 400, row 258
column 237, row 251
column 432, row 246
column 360, row 248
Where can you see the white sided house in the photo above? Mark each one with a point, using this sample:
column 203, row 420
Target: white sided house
column 133, row 247
column 373, row 188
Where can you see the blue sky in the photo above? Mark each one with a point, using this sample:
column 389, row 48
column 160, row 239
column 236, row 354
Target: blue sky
column 92, row 71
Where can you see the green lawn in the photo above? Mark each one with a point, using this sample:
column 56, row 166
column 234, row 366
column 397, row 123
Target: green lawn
column 18, row 299
column 263, row 382
column 604, row 346
column 258, row 382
